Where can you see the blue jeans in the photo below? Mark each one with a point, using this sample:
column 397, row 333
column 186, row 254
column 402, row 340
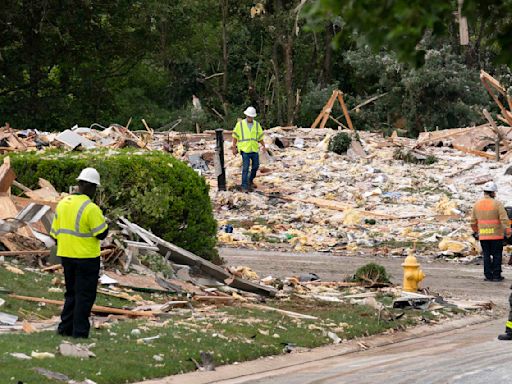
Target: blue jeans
column 253, row 157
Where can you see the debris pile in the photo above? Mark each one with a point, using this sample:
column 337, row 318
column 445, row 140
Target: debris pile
column 308, row 198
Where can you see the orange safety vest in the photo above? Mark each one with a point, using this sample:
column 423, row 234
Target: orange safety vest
column 490, row 219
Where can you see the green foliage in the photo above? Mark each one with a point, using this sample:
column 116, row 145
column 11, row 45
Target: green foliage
column 401, row 25
column 340, row 143
column 371, row 273
column 152, row 189
column 105, row 62
column 410, row 156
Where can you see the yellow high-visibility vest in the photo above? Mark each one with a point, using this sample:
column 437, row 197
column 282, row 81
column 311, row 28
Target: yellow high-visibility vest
column 247, row 139
column 76, row 222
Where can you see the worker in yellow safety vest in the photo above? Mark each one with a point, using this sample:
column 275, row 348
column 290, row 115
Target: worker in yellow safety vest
column 78, row 226
column 247, row 137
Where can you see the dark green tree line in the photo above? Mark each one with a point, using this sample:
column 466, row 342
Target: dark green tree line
column 64, row 63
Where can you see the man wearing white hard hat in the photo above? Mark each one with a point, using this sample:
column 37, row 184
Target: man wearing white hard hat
column 247, row 137
column 78, row 227
column 490, row 224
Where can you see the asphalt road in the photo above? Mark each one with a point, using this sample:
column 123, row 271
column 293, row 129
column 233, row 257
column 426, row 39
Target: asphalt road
column 447, row 278
column 468, row 355
column 471, row 355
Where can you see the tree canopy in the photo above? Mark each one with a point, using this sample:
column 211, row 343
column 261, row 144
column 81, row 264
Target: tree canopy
column 67, row 63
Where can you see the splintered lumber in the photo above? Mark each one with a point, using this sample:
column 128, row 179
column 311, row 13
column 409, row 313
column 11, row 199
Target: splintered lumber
column 460, row 148
column 488, row 81
column 179, row 255
column 214, row 298
column 7, row 175
column 9, row 211
column 95, row 308
column 291, row 314
column 136, row 282
column 42, row 252
column 339, row 284
column 337, row 206
column 325, row 114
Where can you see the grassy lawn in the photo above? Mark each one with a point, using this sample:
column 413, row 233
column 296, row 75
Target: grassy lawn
column 232, row 334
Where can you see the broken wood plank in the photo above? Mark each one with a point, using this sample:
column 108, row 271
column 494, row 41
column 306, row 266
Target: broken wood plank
column 291, row 314
column 214, row 298
column 136, row 282
column 470, row 151
column 7, row 176
column 21, row 186
column 345, row 110
column 332, row 284
column 95, row 308
column 181, row 256
column 42, row 252
column 43, row 194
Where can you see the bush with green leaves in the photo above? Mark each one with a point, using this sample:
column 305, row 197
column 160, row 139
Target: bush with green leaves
column 152, row 189
column 372, row 273
column 340, row 143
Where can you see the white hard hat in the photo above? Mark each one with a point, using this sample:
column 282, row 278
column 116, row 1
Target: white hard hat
column 90, row 175
column 490, row 186
column 250, row 111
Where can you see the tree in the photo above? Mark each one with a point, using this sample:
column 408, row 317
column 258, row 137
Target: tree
column 401, row 25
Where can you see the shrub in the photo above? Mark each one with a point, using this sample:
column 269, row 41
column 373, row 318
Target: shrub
column 340, row 143
column 372, row 273
column 410, row 156
column 152, row 189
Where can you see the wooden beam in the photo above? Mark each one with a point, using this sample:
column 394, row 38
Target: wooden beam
column 345, row 110
column 95, row 308
column 43, row 252
column 291, row 314
column 489, row 156
column 496, row 131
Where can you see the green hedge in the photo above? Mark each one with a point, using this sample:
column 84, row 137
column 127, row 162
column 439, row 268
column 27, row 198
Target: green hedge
column 152, row 189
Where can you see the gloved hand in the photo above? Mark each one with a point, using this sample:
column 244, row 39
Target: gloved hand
column 476, row 235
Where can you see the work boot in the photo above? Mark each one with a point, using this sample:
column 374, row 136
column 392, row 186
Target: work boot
column 498, row 279
column 506, row 336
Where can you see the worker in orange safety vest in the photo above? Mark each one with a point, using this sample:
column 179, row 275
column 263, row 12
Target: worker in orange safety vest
column 490, row 224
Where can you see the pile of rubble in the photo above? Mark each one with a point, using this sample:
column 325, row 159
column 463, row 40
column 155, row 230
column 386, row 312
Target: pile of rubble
column 310, row 199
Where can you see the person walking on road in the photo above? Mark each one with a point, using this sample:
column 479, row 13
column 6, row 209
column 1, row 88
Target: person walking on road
column 490, row 224
column 78, row 226
column 247, row 137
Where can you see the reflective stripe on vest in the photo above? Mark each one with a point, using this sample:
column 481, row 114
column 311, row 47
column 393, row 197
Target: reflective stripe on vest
column 77, row 232
column 250, row 137
column 76, row 225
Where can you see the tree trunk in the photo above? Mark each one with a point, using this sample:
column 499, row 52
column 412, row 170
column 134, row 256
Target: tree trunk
column 290, row 94
column 225, row 58
column 327, row 66
column 277, row 82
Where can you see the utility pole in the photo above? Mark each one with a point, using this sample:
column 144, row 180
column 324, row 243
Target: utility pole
column 220, row 170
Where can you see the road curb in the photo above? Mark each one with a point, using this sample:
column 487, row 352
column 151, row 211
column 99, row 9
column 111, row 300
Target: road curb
column 274, row 365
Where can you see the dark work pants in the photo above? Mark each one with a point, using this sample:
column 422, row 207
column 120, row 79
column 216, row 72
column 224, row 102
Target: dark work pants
column 253, row 157
column 81, row 277
column 492, row 250
column 508, row 327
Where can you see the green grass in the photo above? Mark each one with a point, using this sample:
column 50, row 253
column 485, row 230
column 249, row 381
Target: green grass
column 233, row 334
column 37, row 284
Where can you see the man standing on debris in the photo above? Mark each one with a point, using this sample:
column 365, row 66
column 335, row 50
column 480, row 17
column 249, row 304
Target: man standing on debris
column 490, row 225
column 78, row 227
column 247, row 136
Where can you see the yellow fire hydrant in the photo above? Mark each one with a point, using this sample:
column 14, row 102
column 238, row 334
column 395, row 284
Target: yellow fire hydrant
column 412, row 273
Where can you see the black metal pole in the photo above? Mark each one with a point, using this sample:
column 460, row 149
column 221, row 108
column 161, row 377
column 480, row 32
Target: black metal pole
column 221, row 173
